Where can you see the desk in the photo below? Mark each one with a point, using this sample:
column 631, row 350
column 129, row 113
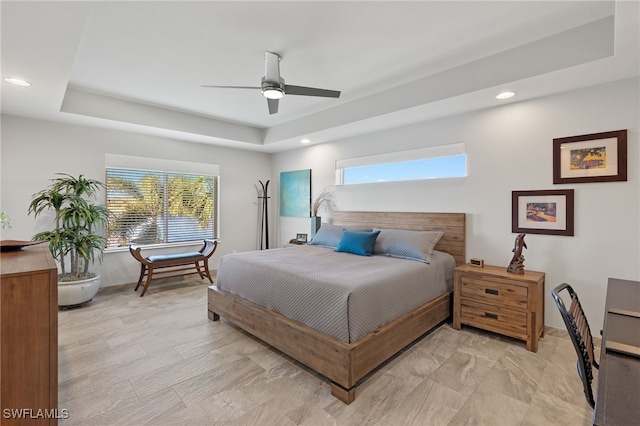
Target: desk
column 618, row 391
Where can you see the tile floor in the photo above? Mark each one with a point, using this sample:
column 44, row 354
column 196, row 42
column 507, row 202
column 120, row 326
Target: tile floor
column 159, row 360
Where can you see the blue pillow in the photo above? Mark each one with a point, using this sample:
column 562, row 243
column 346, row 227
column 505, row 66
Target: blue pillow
column 360, row 243
column 404, row 244
column 329, row 235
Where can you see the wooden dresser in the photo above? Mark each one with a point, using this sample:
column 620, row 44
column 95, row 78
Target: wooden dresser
column 29, row 336
column 495, row 300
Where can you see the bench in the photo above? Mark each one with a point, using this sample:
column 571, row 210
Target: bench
column 173, row 264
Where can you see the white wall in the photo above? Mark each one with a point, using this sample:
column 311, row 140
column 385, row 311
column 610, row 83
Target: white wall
column 33, row 151
column 509, row 148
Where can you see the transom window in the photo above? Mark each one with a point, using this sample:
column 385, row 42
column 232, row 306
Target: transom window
column 445, row 161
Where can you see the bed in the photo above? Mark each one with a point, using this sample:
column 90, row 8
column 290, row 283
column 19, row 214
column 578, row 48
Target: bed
column 344, row 353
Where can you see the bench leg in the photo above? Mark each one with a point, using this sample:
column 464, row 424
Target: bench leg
column 146, row 284
column 206, row 270
column 142, row 271
column 206, row 273
column 197, row 263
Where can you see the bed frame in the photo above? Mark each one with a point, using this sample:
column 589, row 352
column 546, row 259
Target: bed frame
column 347, row 363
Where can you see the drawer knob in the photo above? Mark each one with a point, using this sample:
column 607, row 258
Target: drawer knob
column 491, row 291
column 490, row 315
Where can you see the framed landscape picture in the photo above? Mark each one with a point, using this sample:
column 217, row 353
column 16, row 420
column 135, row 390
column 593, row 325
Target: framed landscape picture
column 542, row 212
column 598, row 157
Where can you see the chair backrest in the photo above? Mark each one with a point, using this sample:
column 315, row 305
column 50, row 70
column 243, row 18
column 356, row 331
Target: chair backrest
column 580, row 334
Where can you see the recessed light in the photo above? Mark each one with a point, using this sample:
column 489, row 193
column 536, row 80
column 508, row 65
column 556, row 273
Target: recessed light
column 505, row 95
column 305, row 140
column 17, row 81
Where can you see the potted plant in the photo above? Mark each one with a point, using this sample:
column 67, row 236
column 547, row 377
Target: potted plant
column 5, row 220
column 324, row 200
column 76, row 220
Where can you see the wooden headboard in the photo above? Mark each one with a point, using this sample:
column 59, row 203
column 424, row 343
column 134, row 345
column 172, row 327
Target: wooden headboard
column 453, row 240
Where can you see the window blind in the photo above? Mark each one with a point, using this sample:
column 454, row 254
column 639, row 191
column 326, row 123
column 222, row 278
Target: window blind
column 153, row 204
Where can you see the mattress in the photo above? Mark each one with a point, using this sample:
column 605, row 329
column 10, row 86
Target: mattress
column 340, row 294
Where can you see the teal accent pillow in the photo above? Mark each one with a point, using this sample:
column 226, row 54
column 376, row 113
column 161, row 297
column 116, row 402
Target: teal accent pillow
column 329, row 235
column 360, row 243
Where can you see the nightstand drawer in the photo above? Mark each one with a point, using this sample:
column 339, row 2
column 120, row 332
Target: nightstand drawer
column 493, row 292
column 494, row 318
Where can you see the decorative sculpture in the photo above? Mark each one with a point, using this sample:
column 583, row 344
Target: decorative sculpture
column 517, row 262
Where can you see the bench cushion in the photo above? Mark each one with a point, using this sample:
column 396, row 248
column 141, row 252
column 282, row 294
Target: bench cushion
column 175, row 257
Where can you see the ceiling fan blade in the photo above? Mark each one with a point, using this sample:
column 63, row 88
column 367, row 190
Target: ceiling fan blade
column 233, row 87
column 310, row 91
column 273, row 105
column 272, row 67
column 273, row 87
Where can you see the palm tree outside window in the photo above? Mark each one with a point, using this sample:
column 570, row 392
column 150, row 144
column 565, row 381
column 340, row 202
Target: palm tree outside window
column 160, row 207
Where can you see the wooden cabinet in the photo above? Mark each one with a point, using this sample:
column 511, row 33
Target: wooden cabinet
column 495, row 300
column 28, row 336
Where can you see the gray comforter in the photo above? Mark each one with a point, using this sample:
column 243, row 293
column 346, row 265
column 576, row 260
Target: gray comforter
column 340, row 294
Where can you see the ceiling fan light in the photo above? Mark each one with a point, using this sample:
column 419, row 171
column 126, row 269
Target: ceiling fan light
column 273, row 93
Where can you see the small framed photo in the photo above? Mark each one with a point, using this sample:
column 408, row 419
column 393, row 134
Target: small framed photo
column 598, row 157
column 542, row 212
column 301, row 238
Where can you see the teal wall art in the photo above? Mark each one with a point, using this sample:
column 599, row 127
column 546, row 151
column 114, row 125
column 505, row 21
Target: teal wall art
column 295, row 193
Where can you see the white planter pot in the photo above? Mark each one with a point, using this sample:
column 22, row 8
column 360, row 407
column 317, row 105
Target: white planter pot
column 77, row 292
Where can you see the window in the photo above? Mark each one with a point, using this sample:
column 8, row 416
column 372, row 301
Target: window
column 443, row 161
column 156, row 201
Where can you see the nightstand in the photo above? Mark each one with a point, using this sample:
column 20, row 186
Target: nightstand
column 493, row 299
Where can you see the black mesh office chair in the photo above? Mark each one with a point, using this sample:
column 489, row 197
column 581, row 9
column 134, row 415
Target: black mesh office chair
column 580, row 335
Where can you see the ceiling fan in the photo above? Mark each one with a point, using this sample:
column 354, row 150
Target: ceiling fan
column 273, row 87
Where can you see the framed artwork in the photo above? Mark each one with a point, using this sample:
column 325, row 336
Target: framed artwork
column 598, row 157
column 301, row 238
column 542, row 212
column 295, row 193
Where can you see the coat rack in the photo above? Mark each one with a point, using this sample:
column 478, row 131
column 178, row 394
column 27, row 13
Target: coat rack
column 264, row 221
